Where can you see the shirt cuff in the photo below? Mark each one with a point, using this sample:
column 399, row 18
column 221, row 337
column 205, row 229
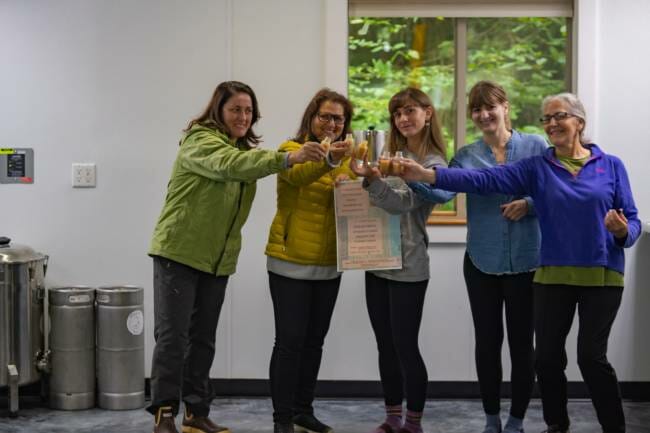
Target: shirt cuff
column 332, row 163
column 286, row 164
column 531, row 206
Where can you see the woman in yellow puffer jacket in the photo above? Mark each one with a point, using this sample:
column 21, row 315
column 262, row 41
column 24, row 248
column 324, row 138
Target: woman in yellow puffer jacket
column 301, row 263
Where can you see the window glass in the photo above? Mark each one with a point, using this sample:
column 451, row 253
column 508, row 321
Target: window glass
column 527, row 56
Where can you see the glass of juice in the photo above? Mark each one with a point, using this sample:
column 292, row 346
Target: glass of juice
column 396, row 163
column 384, row 163
column 325, row 144
column 349, row 140
column 361, row 151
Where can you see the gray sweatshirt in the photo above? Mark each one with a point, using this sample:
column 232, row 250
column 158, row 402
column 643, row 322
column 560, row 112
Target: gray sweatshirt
column 414, row 212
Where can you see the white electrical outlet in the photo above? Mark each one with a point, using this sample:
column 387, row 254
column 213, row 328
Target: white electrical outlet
column 84, row 175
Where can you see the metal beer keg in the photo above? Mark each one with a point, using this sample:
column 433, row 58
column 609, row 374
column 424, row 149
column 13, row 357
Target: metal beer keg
column 120, row 347
column 72, row 346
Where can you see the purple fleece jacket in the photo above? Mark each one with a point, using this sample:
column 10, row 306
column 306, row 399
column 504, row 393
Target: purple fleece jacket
column 571, row 208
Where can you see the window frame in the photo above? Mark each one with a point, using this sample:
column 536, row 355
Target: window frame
column 461, row 11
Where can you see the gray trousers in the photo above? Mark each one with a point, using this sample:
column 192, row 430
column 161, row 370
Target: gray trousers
column 187, row 303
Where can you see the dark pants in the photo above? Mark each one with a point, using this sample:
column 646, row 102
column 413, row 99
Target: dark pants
column 555, row 307
column 488, row 294
column 303, row 310
column 187, row 304
column 395, row 310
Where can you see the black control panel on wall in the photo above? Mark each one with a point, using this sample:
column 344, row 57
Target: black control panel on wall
column 16, row 165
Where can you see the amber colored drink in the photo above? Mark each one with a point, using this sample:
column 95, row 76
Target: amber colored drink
column 384, row 166
column 362, row 150
column 396, row 164
column 396, row 167
column 349, row 140
column 325, row 144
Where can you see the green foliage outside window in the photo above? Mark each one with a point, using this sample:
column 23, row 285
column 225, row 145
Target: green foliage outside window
column 527, row 56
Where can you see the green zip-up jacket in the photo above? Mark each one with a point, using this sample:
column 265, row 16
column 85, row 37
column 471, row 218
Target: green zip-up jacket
column 209, row 197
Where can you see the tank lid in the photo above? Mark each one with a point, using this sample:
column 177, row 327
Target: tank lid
column 16, row 253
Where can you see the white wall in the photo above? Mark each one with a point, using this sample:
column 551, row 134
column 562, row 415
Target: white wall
column 114, row 82
column 624, row 127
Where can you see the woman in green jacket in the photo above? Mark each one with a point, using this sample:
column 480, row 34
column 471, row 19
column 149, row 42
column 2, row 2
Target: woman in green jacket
column 301, row 263
column 195, row 247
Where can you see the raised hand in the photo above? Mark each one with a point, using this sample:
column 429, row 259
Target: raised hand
column 364, row 169
column 412, row 171
column 338, row 150
column 341, row 177
column 616, row 223
column 310, row 151
column 515, row 210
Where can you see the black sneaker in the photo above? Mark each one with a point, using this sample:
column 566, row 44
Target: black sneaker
column 282, row 428
column 308, row 423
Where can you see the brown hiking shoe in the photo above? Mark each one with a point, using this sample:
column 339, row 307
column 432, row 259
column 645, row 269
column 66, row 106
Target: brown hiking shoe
column 164, row 421
column 200, row 424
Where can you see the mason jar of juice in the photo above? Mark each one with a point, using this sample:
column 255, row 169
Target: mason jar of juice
column 325, row 144
column 361, row 151
column 349, row 140
column 396, row 167
column 384, row 163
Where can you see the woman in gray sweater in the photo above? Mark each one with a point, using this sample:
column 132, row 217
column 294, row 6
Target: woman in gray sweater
column 395, row 298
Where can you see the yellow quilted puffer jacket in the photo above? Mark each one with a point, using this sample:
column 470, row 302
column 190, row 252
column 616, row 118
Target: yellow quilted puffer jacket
column 304, row 230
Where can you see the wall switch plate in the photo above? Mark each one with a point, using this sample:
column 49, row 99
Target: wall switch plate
column 84, row 175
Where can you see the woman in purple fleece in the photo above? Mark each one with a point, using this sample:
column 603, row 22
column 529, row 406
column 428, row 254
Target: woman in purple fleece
column 587, row 217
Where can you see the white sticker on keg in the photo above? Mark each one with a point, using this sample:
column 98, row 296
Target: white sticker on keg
column 103, row 299
column 135, row 322
column 78, row 299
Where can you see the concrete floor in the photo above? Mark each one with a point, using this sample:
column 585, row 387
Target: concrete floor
column 346, row 416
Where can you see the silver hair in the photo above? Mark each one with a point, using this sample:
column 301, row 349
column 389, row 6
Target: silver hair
column 574, row 107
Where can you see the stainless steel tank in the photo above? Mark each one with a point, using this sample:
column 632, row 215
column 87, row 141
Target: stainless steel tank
column 376, row 140
column 120, row 347
column 72, row 347
column 22, row 289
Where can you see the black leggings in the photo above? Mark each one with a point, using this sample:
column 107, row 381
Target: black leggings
column 303, row 310
column 395, row 310
column 555, row 307
column 487, row 296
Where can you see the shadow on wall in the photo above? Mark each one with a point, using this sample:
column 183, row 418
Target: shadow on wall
column 640, row 351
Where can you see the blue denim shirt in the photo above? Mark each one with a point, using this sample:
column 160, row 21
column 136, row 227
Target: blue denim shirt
column 495, row 244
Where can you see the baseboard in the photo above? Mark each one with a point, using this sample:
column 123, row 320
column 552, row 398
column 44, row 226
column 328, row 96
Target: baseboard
column 638, row 391
column 361, row 389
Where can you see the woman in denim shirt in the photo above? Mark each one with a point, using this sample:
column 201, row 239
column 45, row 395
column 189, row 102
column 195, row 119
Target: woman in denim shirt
column 503, row 243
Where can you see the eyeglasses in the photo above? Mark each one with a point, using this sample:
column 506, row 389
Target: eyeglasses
column 560, row 115
column 241, row 110
column 327, row 118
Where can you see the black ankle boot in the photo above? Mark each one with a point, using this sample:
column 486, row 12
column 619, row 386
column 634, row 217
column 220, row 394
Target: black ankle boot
column 308, row 423
column 282, row 428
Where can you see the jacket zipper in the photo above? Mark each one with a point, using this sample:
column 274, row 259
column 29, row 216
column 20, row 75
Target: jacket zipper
column 234, row 220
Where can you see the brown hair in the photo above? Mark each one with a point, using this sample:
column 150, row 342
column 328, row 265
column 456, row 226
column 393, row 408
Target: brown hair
column 433, row 140
column 212, row 116
column 304, row 131
column 487, row 93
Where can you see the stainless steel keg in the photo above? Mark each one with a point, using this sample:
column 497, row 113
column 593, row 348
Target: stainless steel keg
column 22, row 288
column 72, row 347
column 120, row 347
column 376, row 140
